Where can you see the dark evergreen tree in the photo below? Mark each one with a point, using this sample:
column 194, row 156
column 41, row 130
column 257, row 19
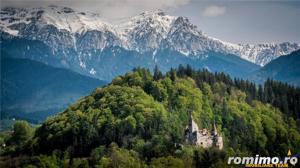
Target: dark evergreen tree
column 157, row 73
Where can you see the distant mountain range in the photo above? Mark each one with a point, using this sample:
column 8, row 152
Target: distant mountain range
column 285, row 69
column 32, row 90
column 83, row 42
column 52, row 56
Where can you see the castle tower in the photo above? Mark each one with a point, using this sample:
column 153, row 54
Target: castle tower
column 218, row 140
column 215, row 132
column 190, row 126
column 192, row 130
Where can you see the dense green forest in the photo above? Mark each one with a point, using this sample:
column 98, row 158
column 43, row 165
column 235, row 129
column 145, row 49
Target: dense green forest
column 139, row 119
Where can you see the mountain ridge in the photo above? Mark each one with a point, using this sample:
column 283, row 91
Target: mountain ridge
column 148, row 31
column 110, row 62
column 285, row 68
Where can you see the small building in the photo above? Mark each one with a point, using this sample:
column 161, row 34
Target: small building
column 202, row 137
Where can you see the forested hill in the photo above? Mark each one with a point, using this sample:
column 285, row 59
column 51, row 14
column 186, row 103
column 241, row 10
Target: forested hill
column 139, row 119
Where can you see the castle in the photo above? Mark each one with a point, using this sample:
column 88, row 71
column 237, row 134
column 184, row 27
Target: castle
column 202, row 137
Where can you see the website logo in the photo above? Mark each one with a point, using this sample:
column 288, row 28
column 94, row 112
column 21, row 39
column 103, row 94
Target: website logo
column 261, row 161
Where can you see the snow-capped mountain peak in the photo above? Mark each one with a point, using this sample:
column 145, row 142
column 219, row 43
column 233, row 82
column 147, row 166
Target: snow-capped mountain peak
column 145, row 31
column 63, row 18
column 64, row 28
column 59, row 27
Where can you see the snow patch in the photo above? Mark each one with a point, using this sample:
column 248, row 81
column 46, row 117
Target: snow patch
column 186, row 53
column 92, row 71
column 82, row 65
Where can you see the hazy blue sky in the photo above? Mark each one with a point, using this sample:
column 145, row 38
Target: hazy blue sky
column 234, row 21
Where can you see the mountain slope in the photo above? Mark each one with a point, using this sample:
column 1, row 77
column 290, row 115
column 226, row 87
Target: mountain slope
column 285, row 68
column 212, row 61
column 63, row 28
column 32, row 90
column 112, row 61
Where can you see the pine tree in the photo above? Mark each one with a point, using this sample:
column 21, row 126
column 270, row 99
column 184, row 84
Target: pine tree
column 157, row 74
